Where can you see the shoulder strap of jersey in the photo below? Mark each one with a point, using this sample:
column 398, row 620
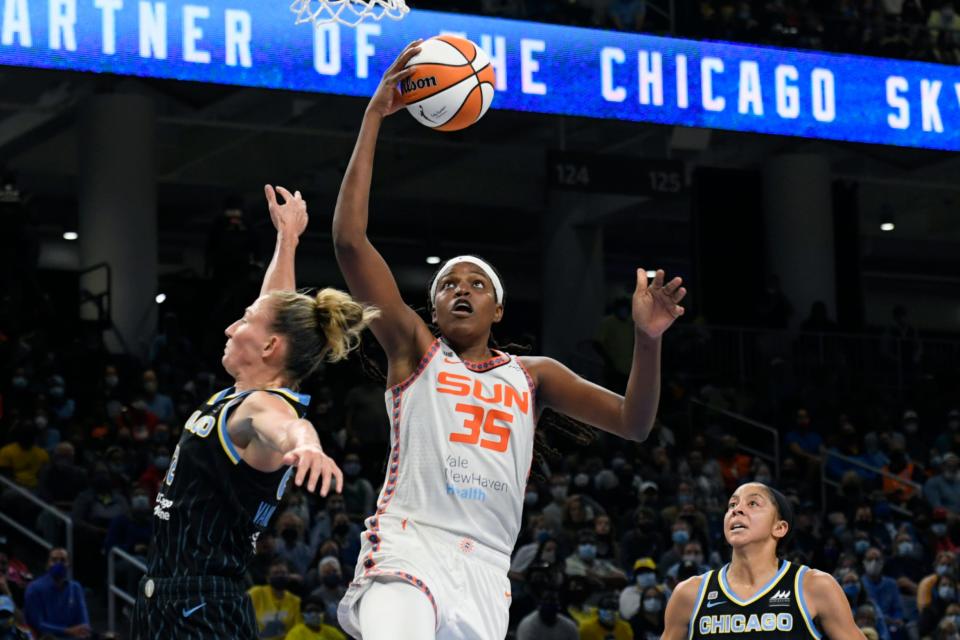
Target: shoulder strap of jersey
column 298, row 401
column 802, row 603
column 698, row 603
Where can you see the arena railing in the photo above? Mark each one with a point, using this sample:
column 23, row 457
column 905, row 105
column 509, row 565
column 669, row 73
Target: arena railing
column 113, row 591
column 826, row 481
column 753, row 429
column 45, row 506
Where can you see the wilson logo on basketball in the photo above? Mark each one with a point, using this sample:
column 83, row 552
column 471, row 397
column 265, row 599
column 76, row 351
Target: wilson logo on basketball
column 410, row 84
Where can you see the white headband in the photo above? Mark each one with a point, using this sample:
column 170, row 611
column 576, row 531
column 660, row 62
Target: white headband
column 486, row 268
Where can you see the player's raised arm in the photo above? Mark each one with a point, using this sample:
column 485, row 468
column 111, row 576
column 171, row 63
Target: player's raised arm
column 399, row 330
column 680, row 609
column 631, row 416
column 289, row 219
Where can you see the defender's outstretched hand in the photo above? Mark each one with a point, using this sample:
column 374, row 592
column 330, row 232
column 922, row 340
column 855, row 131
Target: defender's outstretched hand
column 656, row 305
column 313, row 465
column 290, row 218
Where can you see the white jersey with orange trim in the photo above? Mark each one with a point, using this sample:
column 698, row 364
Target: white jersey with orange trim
column 462, row 438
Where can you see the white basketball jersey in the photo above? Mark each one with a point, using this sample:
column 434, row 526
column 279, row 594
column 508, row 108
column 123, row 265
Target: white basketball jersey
column 462, row 444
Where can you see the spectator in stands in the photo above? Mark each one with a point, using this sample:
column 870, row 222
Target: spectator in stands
column 158, row 403
column 734, row 465
column 553, row 512
column 944, row 30
column 882, row 590
column 905, row 566
column 644, row 577
column 22, row 459
column 585, row 563
column 948, row 629
column 643, row 540
column 607, row 547
column 948, row 438
column 940, row 538
column 692, row 553
column 313, row 628
column 944, row 594
column 680, row 534
column 277, row 609
column 857, row 596
column 649, row 622
column 607, row 625
column 9, row 629
column 358, row 494
column 943, row 489
column 802, row 440
column 546, row 623
column 897, row 491
column 366, row 421
column 14, row 573
column 945, row 564
column 55, row 604
column 60, row 484
column 132, row 532
column 628, row 15
column 326, row 582
column 290, row 545
column 866, row 617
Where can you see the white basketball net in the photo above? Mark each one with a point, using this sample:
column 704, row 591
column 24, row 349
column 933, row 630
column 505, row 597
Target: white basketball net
column 348, row 12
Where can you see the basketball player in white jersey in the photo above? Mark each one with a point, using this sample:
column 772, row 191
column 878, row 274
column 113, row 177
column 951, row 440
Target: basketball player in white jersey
column 435, row 554
column 759, row 594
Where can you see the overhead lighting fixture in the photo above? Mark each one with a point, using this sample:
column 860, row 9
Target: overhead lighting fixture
column 70, row 235
column 887, row 226
column 433, row 259
column 161, row 298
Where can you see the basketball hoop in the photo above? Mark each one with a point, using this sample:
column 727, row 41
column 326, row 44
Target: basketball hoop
column 347, row 12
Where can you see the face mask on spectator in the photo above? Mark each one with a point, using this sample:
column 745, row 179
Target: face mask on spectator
column 57, row 392
column 939, row 529
column 581, row 480
column 684, row 498
column 111, row 381
column 696, row 558
column 531, row 498
column 559, row 492
column 617, row 463
column 312, row 618
column 19, row 382
column 58, row 571
column 652, row 605
column 646, row 579
column 680, row 536
column 587, row 551
column 40, row 422
column 861, row 546
column 946, row 593
column 541, row 536
column 161, row 462
column 351, row 469
column 852, row 589
column 549, row 556
column 905, row 548
column 943, row 569
column 873, row 567
column 279, row 583
column 140, row 503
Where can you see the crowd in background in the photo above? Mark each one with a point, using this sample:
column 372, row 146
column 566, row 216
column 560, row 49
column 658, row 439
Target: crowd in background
column 924, row 30
column 609, row 530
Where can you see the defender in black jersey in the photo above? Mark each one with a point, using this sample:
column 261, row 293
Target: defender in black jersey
column 240, row 449
column 758, row 594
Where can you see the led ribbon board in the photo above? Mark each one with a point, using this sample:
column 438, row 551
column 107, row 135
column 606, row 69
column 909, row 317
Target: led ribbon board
column 540, row 68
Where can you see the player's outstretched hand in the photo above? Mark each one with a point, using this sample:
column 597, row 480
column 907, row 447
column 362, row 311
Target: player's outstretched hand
column 656, row 305
column 314, row 465
column 290, row 218
column 386, row 101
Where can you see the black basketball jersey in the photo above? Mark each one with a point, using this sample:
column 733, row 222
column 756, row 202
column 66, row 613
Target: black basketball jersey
column 212, row 505
column 775, row 612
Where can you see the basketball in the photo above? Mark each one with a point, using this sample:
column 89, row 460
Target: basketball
column 451, row 86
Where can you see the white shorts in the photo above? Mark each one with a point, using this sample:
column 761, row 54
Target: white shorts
column 466, row 583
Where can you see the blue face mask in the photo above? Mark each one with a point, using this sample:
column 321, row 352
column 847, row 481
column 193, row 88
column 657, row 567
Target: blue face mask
column 646, row 579
column 606, row 617
column 587, row 551
column 680, row 537
column 542, row 536
column 312, row 618
column 58, row 571
column 852, row 589
column 861, row 546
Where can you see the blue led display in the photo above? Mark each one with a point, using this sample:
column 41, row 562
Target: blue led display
column 540, row 68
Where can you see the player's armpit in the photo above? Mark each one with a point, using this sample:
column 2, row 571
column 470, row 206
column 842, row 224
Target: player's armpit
column 680, row 609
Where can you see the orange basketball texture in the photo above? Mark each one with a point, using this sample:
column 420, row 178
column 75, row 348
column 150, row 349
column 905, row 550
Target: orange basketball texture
column 452, row 84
